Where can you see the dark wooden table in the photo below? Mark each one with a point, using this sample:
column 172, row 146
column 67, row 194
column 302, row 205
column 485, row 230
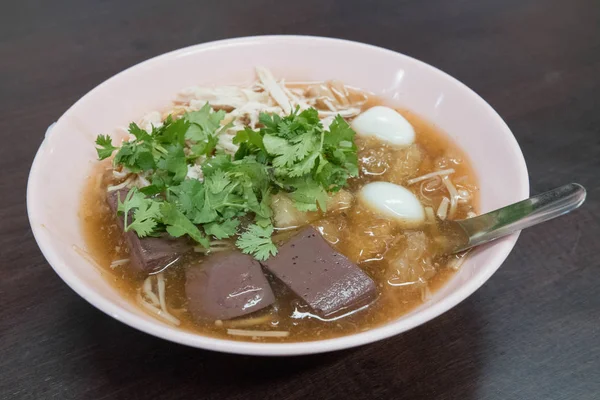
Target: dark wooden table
column 532, row 332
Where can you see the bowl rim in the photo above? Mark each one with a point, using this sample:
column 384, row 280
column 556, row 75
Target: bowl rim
column 157, row 329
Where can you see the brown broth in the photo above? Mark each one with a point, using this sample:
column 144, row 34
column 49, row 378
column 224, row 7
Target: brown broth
column 356, row 232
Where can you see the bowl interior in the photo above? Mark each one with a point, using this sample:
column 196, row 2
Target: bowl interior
column 67, row 155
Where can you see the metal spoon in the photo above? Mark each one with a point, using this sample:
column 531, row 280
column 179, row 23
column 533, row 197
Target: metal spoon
column 463, row 234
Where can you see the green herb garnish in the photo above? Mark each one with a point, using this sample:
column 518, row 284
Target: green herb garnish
column 293, row 154
column 145, row 213
column 257, row 241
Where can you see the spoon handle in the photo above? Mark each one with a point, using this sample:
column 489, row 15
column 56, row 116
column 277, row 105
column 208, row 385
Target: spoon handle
column 521, row 215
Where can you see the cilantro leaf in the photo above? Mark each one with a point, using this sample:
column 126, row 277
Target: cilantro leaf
column 172, row 132
column 138, row 132
column 256, row 240
column 104, row 146
column 145, row 219
column 206, row 214
column 143, row 160
column 250, row 136
column 251, row 143
column 339, row 132
column 145, row 216
column 287, row 153
column 204, row 129
column 151, row 190
column 179, row 225
column 174, row 162
column 206, row 147
column 270, row 121
column 137, row 157
column 222, row 230
column 308, row 194
column 186, row 196
column 218, row 181
column 305, row 166
column 203, row 123
column 218, row 161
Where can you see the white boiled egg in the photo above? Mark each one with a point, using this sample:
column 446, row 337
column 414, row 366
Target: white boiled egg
column 385, row 124
column 394, row 202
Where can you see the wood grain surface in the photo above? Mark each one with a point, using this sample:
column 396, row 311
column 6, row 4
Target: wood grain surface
column 531, row 332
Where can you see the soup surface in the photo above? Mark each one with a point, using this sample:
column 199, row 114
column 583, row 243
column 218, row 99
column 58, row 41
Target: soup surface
column 405, row 262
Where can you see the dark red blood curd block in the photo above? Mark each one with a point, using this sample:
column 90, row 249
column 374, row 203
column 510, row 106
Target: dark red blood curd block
column 326, row 280
column 227, row 285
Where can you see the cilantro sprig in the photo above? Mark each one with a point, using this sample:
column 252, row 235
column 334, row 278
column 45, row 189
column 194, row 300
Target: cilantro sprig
column 257, row 241
column 307, row 161
column 143, row 212
column 293, row 154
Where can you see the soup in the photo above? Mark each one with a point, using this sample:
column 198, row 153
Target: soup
column 277, row 212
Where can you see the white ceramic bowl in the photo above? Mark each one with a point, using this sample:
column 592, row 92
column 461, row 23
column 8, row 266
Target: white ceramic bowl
column 67, row 155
